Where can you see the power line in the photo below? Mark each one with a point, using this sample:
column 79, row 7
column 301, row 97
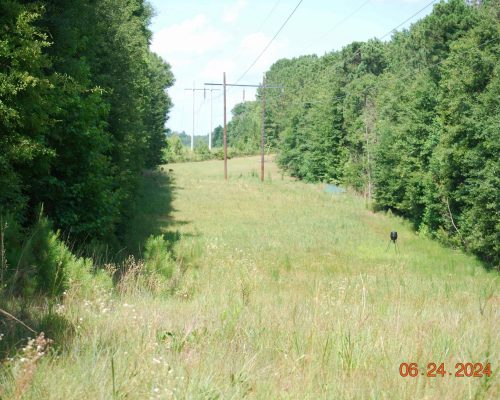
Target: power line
column 194, row 89
column 358, row 51
column 260, row 55
column 340, row 22
column 407, row 19
column 268, row 15
column 403, row 77
column 445, row 59
column 355, row 54
column 263, row 85
column 198, row 110
column 240, row 51
column 334, row 27
column 270, row 42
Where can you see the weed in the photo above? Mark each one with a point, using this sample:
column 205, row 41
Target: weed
column 277, row 291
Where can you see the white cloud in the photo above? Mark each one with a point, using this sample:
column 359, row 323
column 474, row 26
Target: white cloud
column 253, row 44
column 232, row 12
column 249, row 47
column 193, row 36
column 215, row 68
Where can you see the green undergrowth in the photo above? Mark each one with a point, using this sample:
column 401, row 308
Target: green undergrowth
column 273, row 290
column 39, row 270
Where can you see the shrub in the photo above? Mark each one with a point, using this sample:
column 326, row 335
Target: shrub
column 39, row 266
column 202, row 152
column 157, row 258
column 43, row 264
column 175, row 151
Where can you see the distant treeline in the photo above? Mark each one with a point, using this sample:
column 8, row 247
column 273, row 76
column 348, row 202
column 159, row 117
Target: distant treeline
column 185, row 139
column 82, row 111
column 178, row 147
column 243, row 137
column 243, row 130
column 413, row 123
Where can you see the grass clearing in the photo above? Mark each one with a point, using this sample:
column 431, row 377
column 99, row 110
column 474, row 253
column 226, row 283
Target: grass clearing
column 283, row 291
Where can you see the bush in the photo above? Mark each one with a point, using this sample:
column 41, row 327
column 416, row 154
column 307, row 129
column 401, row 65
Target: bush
column 202, row 151
column 42, row 264
column 175, row 151
column 39, row 265
column 158, row 259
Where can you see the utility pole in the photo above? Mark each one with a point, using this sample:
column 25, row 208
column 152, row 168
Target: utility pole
column 194, row 89
column 262, row 129
column 225, row 128
column 192, row 132
column 263, row 86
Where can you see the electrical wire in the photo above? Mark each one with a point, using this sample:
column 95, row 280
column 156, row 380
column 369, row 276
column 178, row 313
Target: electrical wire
column 358, row 51
column 268, row 15
column 335, row 26
column 270, row 42
column 407, row 19
column 241, row 51
column 355, row 54
column 404, row 77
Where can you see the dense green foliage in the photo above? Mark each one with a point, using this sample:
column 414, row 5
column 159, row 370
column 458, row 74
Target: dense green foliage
column 413, row 123
column 157, row 260
column 218, row 137
column 243, row 130
column 83, row 114
column 82, row 111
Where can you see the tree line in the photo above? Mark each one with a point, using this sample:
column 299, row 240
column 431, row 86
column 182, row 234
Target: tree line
column 412, row 123
column 243, row 130
column 83, row 106
column 243, row 137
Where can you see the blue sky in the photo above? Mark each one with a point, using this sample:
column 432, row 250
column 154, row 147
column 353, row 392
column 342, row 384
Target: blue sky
column 202, row 39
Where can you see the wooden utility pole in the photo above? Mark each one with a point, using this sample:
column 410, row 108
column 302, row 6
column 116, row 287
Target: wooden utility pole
column 211, row 125
column 225, row 129
column 262, row 129
column 263, row 86
column 194, row 90
column 192, row 132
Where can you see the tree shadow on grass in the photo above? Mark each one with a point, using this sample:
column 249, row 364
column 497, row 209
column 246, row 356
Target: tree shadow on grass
column 152, row 214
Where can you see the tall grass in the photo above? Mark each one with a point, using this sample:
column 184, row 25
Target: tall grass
column 278, row 290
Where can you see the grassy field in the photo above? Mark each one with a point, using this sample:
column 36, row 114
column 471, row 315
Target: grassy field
column 282, row 291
